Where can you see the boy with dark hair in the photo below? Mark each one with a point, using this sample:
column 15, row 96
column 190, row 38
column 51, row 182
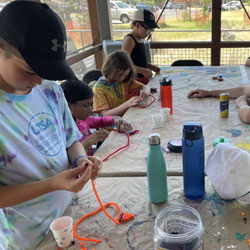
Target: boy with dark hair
column 39, row 139
column 142, row 25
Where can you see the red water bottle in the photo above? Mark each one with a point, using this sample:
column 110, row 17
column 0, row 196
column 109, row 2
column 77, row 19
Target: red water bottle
column 166, row 93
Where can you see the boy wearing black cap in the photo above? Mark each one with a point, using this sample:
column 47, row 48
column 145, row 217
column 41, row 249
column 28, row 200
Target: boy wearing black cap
column 39, row 138
column 143, row 24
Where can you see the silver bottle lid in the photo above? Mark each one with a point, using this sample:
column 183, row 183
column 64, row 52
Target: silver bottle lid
column 154, row 139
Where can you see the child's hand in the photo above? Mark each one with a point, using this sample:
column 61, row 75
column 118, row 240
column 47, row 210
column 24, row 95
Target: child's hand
column 198, row 93
column 133, row 101
column 96, row 166
column 67, row 180
column 155, row 68
column 144, row 93
column 98, row 135
column 241, row 101
column 147, row 73
column 122, row 125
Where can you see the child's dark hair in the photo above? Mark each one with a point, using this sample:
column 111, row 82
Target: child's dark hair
column 116, row 62
column 133, row 23
column 76, row 90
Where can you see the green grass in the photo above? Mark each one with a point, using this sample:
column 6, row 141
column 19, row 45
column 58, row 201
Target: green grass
column 230, row 20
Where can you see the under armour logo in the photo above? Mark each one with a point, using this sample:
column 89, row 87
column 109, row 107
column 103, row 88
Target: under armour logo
column 58, row 45
column 151, row 17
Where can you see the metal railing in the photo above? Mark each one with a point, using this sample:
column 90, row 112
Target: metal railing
column 119, row 34
column 164, row 53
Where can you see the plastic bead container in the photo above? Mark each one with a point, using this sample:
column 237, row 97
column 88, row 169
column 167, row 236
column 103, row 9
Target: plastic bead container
column 178, row 227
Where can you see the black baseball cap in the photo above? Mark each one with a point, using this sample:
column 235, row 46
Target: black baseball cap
column 146, row 16
column 39, row 35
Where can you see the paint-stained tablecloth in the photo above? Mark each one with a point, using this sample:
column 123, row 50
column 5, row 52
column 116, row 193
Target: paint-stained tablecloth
column 132, row 160
column 223, row 223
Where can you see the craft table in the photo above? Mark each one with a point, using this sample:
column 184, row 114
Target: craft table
column 125, row 182
column 223, row 223
column 132, row 160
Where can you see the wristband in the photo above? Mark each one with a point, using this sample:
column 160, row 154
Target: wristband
column 77, row 158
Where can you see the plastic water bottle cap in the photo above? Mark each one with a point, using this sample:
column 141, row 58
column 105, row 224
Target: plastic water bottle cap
column 222, row 138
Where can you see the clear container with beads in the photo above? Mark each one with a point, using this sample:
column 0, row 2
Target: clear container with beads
column 178, row 227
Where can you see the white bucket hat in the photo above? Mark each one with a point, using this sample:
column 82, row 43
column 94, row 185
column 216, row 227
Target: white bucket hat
column 228, row 169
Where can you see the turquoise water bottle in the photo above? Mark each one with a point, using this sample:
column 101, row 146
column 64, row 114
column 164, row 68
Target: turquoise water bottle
column 156, row 171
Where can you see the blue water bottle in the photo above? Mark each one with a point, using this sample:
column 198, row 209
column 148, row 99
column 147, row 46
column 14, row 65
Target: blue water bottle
column 156, row 171
column 193, row 160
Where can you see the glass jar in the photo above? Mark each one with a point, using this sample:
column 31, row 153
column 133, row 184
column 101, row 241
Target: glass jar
column 178, row 227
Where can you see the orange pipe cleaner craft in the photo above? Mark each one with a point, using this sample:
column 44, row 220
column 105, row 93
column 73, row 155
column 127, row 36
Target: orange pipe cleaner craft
column 121, row 216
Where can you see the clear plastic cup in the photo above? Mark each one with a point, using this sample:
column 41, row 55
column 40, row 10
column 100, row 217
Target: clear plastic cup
column 157, row 120
column 165, row 113
column 178, row 227
column 62, row 229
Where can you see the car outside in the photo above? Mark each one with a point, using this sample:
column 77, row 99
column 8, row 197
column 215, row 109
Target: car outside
column 145, row 6
column 141, row 5
column 170, row 6
column 233, row 5
column 176, row 6
column 121, row 11
column 154, row 8
column 209, row 8
column 224, row 8
column 181, row 6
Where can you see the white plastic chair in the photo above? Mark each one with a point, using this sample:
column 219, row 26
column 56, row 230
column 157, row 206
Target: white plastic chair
column 110, row 46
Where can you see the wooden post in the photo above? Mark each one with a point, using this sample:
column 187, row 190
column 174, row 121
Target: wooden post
column 216, row 31
column 95, row 29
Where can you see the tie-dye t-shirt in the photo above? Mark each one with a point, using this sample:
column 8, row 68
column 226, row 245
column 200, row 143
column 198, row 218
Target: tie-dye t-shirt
column 35, row 130
column 109, row 95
